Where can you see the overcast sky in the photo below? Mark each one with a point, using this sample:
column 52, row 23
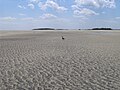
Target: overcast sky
column 71, row 14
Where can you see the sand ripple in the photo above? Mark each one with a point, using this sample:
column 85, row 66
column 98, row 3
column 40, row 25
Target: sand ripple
column 43, row 61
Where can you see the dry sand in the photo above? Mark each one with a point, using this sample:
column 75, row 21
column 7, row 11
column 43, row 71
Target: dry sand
column 41, row 60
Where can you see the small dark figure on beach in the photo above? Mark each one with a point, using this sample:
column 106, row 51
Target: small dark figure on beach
column 63, row 38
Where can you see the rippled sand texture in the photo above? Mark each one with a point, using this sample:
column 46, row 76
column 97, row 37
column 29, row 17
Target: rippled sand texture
column 41, row 60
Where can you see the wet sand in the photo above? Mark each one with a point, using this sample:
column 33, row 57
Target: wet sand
column 41, row 60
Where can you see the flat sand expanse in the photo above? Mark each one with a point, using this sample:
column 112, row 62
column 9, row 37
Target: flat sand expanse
column 41, row 60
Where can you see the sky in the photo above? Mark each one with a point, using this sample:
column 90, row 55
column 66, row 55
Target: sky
column 66, row 14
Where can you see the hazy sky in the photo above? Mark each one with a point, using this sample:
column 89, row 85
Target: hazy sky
column 29, row 14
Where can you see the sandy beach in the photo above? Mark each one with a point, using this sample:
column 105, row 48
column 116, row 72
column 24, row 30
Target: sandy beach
column 41, row 60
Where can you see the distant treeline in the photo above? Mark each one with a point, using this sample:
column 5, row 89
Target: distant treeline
column 68, row 29
column 101, row 29
column 49, row 29
column 44, row 29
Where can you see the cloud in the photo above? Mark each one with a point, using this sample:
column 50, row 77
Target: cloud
column 22, row 7
column 7, row 18
column 82, row 17
column 118, row 18
column 51, row 4
column 13, row 19
column 85, row 11
column 48, row 16
column 86, row 3
column 80, row 11
column 75, row 7
column 34, row 1
column 96, row 3
column 31, row 6
column 85, row 7
column 27, row 19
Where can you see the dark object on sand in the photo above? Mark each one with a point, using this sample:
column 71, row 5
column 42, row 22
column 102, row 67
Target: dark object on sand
column 63, row 38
